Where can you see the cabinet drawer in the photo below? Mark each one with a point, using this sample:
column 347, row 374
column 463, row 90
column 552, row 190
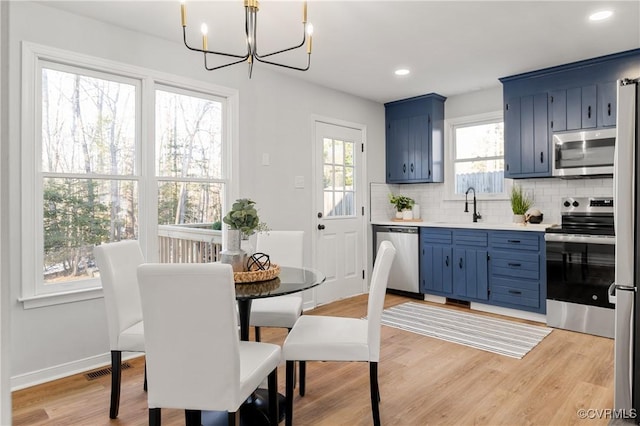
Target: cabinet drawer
column 470, row 238
column 520, row 292
column 515, row 241
column 435, row 236
column 519, row 266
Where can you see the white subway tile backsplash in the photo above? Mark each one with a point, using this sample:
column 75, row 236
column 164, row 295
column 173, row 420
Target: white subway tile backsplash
column 548, row 194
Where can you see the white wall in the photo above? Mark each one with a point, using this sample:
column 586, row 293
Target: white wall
column 432, row 198
column 5, row 317
column 275, row 112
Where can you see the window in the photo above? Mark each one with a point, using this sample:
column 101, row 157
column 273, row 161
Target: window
column 477, row 155
column 90, row 174
column 339, row 189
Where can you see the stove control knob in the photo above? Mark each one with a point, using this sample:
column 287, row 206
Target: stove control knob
column 575, row 204
column 567, row 204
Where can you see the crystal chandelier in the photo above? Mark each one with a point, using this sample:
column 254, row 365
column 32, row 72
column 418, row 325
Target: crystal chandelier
column 251, row 8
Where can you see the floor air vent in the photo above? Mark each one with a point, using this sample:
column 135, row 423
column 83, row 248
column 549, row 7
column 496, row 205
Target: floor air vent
column 104, row 371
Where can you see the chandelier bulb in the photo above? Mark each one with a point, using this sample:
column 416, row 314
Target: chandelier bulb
column 204, row 29
column 309, row 29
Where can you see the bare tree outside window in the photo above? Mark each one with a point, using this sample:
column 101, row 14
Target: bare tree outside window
column 88, row 161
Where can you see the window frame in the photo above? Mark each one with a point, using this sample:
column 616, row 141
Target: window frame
column 467, row 121
column 34, row 57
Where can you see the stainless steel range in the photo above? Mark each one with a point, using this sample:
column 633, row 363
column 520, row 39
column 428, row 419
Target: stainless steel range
column 581, row 267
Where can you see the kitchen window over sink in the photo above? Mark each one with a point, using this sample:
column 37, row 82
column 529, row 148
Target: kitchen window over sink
column 476, row 157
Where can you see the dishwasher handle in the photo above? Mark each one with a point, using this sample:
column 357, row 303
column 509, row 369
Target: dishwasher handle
column 398, row 229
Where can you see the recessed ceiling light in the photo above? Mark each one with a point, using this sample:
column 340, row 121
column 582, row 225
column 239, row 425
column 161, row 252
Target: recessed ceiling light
column 402, row 71
column 601, row 15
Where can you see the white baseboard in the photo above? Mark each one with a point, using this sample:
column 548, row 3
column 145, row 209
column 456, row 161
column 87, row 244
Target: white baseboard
column 435, row 299
column 526, row 315
column 49, row 374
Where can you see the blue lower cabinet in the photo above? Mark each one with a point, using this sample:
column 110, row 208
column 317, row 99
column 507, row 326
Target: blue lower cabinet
column 502, row 268
column 470, row 278
column 517, row 271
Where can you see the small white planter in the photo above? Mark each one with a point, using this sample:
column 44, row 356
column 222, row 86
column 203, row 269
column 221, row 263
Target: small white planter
column 518, row 218
column 407, row 215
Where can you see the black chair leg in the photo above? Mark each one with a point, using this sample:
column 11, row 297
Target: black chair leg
column 154, row 417
column 193, row 417
column 288, row 421
column 116, row 373
column 303, row 376
column 257, row 329
column 144, row 385
column 274, row 410
column 234, row 418
column 375, row 392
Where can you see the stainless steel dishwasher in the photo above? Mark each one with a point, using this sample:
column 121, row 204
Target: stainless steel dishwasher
column 404, row 275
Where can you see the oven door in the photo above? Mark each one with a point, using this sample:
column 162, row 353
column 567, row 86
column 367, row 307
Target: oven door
column 580, row 270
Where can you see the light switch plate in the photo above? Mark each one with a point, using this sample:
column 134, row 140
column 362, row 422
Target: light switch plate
column 265, row 159
column 299, row 182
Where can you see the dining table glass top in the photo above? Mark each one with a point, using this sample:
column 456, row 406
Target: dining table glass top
column 290, row 280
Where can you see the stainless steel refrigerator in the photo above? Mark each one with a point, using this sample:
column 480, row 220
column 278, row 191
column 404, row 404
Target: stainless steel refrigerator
column 623, row 291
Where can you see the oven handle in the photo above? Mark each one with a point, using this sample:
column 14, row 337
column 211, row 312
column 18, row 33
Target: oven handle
column 586, row 239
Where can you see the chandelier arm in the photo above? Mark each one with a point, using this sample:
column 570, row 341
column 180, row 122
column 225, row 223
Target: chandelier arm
column 304, row 39
column 231, row 55
column 222, row 66
column 287, row 66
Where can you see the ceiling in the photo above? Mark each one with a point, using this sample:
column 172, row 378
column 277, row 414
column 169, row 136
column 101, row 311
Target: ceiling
column 451, row 47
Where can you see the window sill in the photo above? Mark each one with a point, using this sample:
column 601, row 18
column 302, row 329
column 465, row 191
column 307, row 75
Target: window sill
column 40, row 301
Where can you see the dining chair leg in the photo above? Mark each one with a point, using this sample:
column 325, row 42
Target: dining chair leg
column 289, row 392
column 144, row 385
column 234, row 418
column 116, row 374
column 193, row 417
column 303, row 376
column 154, row 417
column 274, row 410
column 375, row 392
column 257, row 330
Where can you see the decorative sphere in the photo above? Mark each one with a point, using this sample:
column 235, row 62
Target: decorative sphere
column 258, row 262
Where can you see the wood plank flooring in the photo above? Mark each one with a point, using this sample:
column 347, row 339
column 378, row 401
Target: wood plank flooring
column 423, row 381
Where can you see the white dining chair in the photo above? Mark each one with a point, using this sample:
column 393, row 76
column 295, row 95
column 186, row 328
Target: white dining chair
column 323, row 338
column 286, row 249
column 195, row 359
column 118, row 263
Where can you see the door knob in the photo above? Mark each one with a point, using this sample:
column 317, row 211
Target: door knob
column 320, row 227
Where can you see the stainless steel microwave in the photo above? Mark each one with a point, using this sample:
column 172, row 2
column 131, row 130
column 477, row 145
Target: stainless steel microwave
column 584, row 153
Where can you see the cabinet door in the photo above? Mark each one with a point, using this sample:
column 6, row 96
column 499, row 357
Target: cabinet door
column 540, row 134
column 470, row 276
column 574, row 108
column 436, row 269
column 419, row 149
column 607, row 104
column 397, row 150
column 558, row 110
column 512, row 145
column 589, row 98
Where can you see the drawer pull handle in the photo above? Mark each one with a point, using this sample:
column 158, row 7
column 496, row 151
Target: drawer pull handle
column 515, row 292
column 514, row 241
column 515, row 265
column 589, row 112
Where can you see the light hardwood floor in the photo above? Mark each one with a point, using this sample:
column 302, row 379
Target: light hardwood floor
column 423, row 381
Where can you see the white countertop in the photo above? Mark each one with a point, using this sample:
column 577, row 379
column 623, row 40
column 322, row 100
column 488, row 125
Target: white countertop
column 468, row 225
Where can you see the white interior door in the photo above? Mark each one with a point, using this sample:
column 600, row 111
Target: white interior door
column 339, row 201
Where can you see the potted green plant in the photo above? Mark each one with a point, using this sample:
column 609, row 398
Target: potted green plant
column 403, row 206
column 243, row 220
column 520, row 203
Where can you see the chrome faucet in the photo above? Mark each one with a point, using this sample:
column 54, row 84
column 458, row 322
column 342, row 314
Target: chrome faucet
column 476, row 215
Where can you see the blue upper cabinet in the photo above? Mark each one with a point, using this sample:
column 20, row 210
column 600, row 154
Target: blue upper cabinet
column 415, row 139
column 576, row 96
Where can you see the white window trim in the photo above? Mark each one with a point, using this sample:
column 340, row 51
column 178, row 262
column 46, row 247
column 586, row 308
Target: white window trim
column 449, row 181
column 32, row 54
